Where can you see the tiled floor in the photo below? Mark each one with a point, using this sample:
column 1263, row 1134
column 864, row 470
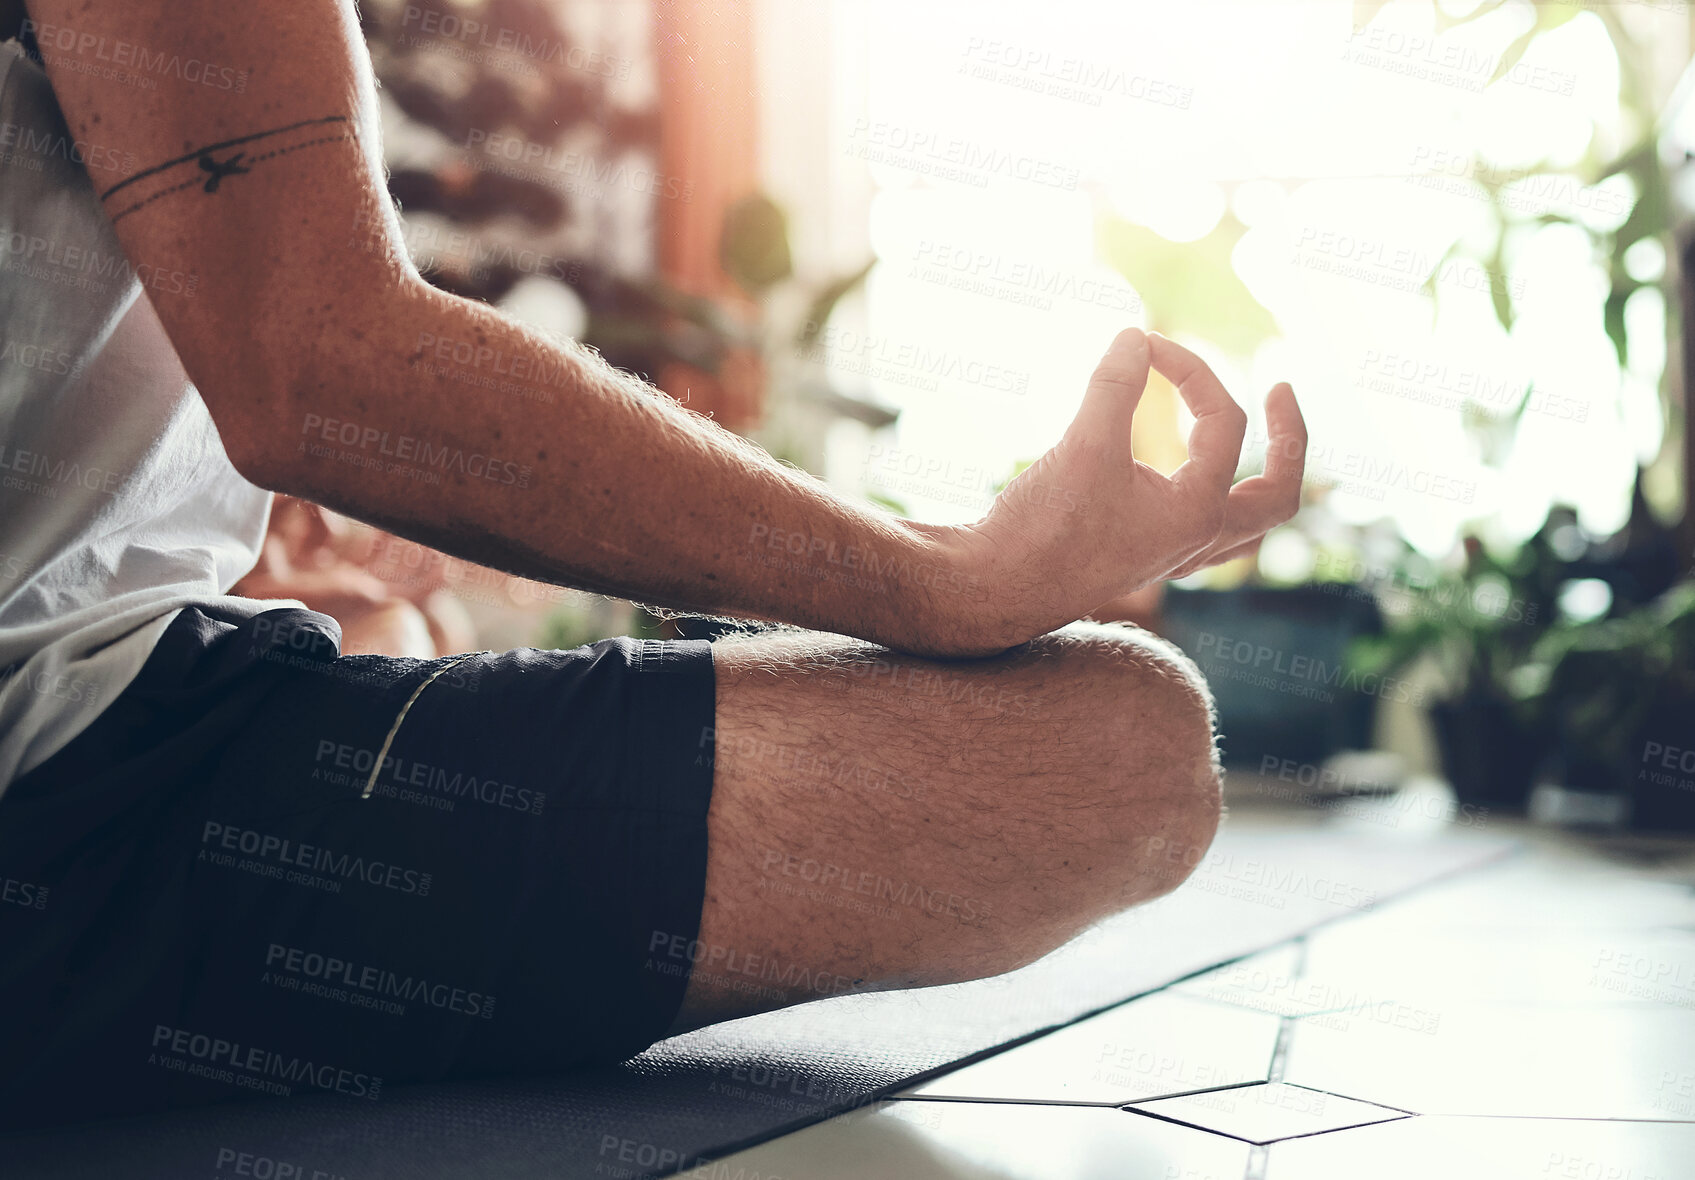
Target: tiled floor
column 1535, row 1018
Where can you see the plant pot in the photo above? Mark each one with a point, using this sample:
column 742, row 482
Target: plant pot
column 1661, row 771
column 1276, row 659
column 1488, row 756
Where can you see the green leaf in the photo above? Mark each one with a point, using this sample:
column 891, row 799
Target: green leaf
column 1018, row 469
column 1511, row 55
column 888, row 502
column 1651, row 215
column 1494, row 269
column 1365, row 11
column 1613, row 317
column 1552, row 16
column 1631, row 162
column 754, row 245
column 1498, row 292
column 1190, row 287
column 824, row 302
column 1548, row 16
column 1444, row 22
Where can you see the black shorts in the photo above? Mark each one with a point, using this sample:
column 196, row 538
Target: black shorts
column 209, row 895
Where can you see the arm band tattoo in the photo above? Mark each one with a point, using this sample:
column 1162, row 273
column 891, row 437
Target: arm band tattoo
column 208, row 167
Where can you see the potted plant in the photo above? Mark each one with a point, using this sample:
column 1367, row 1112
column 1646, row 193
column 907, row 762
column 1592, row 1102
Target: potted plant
column 1620, row 694
column 1474, row 628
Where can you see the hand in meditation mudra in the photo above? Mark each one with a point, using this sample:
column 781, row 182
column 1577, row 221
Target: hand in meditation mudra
column 327, row 561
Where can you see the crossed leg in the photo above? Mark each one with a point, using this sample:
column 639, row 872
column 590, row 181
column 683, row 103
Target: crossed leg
column 883, row 821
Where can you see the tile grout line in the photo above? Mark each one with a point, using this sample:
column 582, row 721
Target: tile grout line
column 1280, row 1051
column 1286, row 1024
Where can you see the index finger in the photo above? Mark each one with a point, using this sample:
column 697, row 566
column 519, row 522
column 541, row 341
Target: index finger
column 1215, row 444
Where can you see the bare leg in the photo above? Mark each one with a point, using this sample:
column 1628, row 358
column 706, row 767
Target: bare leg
column 883, row 821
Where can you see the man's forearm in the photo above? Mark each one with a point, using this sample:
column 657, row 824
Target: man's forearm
column 448, row 423
column 333, row 371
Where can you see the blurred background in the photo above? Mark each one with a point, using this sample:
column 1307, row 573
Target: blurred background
column 888, row 240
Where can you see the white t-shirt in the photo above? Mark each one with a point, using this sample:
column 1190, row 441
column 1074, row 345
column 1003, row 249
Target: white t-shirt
column 118, row 505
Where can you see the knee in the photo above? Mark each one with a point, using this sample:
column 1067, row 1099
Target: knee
column 1128, row 796
column 1145, row 708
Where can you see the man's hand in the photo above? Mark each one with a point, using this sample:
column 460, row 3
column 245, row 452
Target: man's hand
column 325, row 562
column 1088, row 522
column 336, row 374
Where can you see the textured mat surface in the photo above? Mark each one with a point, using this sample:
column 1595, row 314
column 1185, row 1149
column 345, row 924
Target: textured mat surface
column 700, row 1095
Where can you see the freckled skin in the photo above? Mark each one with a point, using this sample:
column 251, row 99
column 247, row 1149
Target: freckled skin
column 1043, row 814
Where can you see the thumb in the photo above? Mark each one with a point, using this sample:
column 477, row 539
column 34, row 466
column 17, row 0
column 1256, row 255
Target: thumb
column 1114, row 391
